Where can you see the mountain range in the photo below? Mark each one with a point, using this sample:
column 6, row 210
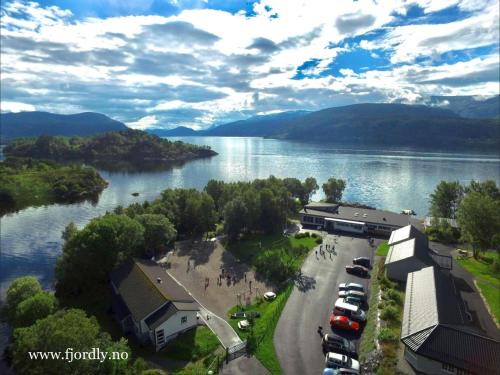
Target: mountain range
column 31, row 124
column 448, row 122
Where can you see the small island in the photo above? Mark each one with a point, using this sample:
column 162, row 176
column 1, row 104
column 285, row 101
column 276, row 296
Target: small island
column 26, row 182
column 127, row 146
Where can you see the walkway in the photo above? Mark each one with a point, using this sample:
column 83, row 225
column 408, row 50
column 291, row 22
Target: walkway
column 226, row 334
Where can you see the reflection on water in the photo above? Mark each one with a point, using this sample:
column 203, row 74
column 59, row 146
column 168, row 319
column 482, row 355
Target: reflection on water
column 392, row 179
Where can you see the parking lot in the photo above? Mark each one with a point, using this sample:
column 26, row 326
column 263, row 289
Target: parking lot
column 296, row 340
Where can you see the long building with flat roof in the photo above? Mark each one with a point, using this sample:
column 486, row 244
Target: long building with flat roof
column 435, row 333
column 335, row 217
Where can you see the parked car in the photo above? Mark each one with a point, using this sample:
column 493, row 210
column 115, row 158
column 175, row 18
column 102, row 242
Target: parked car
column 362, row 261
column 269, row 296
column 356, row 301
column 354, row 293
column 344, row 287
column 343, row 322
column 243, row 325
column 351, row 311
column 336, row 361
column 357, row 270
column 335, row 343
column 340, row 371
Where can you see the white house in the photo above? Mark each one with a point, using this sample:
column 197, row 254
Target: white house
column 436, row 334
column 151, row 304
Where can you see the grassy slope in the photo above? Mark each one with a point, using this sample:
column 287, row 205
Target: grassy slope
column 193, row 345
column 367, row 343
column 247, row 250
column 264, row 328
column 382, row 249
column 492, row 296
column 482, row 268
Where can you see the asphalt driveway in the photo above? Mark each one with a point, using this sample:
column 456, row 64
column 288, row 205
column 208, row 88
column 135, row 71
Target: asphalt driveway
column 296, row 340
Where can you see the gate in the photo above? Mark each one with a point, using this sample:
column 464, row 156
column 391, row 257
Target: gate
column 236, row 351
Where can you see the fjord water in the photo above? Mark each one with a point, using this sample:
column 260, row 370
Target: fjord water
column 390, row 179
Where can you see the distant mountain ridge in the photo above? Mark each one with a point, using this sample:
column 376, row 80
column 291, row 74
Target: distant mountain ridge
column 384, row 124
column 32, row 124
column 180, row 131
column 469, row 106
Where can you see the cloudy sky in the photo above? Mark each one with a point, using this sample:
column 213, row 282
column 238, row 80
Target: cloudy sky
column 165, row 63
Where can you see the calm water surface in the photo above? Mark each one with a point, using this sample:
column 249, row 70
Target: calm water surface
column 392, row 179
column 30, row 240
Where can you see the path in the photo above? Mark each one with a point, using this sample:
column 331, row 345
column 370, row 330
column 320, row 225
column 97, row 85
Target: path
column 296, row 340
column 226, row 334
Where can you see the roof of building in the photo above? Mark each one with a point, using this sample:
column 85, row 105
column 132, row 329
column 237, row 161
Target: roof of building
column 365, row 215
column 413, row 248
column 432, row 320
column 405, row 233
column 145, row 287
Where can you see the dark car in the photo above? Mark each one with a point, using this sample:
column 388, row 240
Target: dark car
column 362, row 261
column 335, row 343
column 357, row 270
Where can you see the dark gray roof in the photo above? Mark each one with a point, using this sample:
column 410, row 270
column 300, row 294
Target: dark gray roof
column 159, row 316
column 380, row 217
column 138, row 286
column 433, row 317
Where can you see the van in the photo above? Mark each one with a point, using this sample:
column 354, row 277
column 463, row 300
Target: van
column 351, row 311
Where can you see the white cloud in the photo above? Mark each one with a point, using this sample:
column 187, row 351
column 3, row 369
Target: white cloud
column 7, row 106
column 143, row 123
column 196, row 67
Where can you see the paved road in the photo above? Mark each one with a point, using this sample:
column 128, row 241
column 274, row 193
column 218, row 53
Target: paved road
column 297, row 343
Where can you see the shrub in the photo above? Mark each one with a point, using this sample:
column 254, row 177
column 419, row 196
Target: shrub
column 314, row 235
column 389, row 313
column 394, row 295
column 387, row 335
column 319, row 240
column 496, row 265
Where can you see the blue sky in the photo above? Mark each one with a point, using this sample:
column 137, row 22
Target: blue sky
column 165, row 63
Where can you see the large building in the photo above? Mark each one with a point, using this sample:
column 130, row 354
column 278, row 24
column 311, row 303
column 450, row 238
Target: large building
column 149, row 303
column 435, row 333
column 335, row 217
column 408, row 252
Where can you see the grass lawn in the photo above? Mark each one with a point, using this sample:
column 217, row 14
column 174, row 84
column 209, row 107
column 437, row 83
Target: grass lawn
column 367, row 343
column 382, row 249
column 193, row 345
column 492, row 296
column 250, row 247
column 264, row 328
column 482, row 268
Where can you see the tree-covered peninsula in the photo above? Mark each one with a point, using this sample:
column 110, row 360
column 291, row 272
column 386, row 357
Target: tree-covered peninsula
column 132, row 146
column 26, row 182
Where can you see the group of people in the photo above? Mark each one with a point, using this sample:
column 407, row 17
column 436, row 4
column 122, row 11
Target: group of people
column 328, row 247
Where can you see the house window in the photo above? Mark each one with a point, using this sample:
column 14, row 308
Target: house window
column 308, row 219
column 184, row 319
column 160, row 337
column 448, row 368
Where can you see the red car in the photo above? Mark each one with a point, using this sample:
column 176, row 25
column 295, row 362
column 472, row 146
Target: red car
column 343, row 322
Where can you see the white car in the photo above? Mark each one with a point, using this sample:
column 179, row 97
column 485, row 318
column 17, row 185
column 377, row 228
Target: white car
column 243, row 324
column 269, row 296
column 336, row 361
column 344, row 288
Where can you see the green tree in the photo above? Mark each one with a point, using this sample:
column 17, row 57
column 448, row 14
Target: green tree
column 20, row 290
column 34, row 308
column 207, row 213
column 56, row 333
column 235, row 214
column 445, row 199
column 272, row 214
column 158, row 232
column 310, row 187
column 333, row 189
column 215, row 189
column 68, row 232
column 488, row 187
column 90, row 254
column 479, row 220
